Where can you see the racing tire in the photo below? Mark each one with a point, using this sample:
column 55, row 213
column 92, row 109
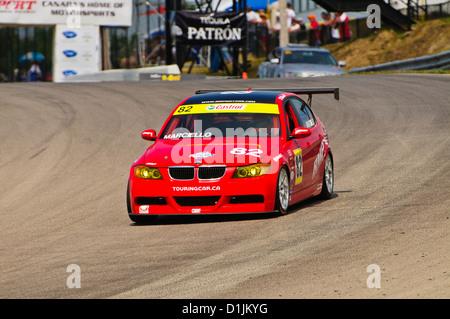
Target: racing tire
column 328, row 179
column 135, row 218
column 282, row 193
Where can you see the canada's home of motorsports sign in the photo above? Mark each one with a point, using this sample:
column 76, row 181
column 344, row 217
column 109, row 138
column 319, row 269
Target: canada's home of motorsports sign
column 84, row 12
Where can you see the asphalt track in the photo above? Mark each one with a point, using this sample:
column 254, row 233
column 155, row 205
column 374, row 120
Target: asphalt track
column 65, row 152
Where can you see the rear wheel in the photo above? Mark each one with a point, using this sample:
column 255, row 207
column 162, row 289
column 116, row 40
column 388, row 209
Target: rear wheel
column 328, row 179
column 282, row 194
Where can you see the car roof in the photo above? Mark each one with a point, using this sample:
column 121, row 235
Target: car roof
column 234, row 97
column 302, row 47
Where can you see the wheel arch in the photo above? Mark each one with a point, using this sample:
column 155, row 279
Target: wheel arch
column 322, row 167
column 278, row 205
column 331, row 155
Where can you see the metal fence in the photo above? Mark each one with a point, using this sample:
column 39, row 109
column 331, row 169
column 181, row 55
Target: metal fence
column 19, row 46
column 261, row 40
column 15, row 42
column 429, row 62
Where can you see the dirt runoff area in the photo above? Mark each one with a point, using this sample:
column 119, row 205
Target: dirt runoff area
column 388, row 44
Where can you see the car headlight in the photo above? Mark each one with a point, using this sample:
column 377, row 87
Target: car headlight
column 145, row 172
column 295, row 75
column 251, row 170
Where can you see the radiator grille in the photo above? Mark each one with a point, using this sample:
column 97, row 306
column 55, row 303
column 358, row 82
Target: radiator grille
column 204, row 172
column 195, row 201
column 211, row 172
column 183, row 173
column 150, row 201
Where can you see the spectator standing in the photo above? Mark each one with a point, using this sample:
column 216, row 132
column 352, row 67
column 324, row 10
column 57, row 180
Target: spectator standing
column 290, row 15
column 252, row 16
column 34, row 74
column 326, row 26
column 253, row 19
column 276, row 26
column 15, row 77
column 295, row 26
column 297, row 29
column 264, row 30
column 335, row 35
column 23, row 76
column 344, row 26
column 314, row 31
column 214, row 59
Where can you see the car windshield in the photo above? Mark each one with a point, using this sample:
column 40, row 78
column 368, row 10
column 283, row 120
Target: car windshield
column 310, row 57
column 222, row 125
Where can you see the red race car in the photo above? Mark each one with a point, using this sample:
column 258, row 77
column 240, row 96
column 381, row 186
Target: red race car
column 222, row 152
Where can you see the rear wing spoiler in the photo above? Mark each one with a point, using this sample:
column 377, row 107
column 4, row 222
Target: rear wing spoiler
column 307, row 91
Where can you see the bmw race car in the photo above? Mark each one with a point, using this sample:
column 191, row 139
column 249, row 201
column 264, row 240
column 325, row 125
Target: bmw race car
column 223, row 152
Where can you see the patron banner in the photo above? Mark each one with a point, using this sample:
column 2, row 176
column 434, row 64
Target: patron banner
column 222, row 28
column 75, row 13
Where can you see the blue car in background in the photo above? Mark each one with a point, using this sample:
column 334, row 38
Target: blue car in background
column 298, row 61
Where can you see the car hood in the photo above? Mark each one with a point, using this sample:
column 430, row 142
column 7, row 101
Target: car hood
column 304, row 69
column 218, row 151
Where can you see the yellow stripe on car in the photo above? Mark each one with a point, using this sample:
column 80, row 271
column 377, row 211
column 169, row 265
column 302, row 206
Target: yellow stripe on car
column 227, row 108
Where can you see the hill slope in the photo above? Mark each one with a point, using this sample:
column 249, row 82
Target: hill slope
column 388, row 45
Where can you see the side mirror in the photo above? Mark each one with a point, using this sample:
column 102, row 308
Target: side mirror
column 149, row 135
column 342, row 64
column 300, row 132
column 275, row 60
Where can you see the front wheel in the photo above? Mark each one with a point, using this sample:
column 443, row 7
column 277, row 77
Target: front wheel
column 328, row 179
column 282, row 194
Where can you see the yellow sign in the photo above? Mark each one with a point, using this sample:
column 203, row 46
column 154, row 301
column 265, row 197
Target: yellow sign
column 171, row 77
column 298, row 166
column 228, row 108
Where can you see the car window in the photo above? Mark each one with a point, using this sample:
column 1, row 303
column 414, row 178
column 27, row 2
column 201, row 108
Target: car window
column 275, row 53
column 291, row 120
column 310, row 57
column 222, row 125
column 304, row 114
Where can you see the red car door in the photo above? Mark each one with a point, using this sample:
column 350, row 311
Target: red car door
column 300, row 150
column 313, row 143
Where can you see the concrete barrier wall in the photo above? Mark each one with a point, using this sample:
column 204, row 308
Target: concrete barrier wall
column 126, row 75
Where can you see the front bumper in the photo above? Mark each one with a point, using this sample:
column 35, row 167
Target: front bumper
column 221, row 196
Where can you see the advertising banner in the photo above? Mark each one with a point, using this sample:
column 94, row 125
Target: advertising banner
column 74, row 13
column 76, row 52
column 222, row 28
